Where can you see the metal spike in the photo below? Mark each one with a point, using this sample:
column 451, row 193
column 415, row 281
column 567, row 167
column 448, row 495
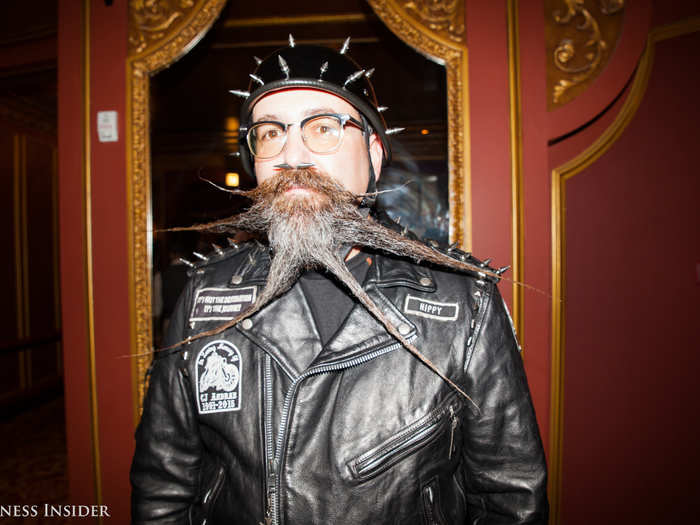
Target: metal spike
column 369, row 73
column 393, row 131
column 200, row 256
column 324, row 68
column 291, row 40
column 234, row 154
column 366, row 93
column 240, row 93
column 283, row 65
column 217, row 248
column 353, row 77
column 258, row 60
column 232, row 243
column 404, row 231
column 345, row 47
column 185, row 261
column 398, row 220
column 485, row 263
column 451, row 247
column 257, row 79
column 502, row 270
column 382, row 109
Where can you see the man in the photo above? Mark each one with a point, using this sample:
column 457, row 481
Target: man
column 321, row 376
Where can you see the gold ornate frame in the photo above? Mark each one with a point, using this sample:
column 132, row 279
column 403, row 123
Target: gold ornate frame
column 162, row 32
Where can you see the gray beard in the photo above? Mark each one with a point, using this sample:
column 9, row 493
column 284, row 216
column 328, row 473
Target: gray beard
column 313, row 231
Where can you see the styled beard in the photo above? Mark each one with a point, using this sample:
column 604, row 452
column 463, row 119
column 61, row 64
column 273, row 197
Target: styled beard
column 310, row 221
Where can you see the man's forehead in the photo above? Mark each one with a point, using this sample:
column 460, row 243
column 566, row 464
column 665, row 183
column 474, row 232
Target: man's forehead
column 300, row 103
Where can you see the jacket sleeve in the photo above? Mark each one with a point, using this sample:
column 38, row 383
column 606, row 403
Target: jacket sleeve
column 165, row 468
column 504, row 460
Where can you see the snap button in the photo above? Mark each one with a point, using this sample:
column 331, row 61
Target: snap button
column 246, row 324
column 404, row 329
column 425, row 281
column 236, row 279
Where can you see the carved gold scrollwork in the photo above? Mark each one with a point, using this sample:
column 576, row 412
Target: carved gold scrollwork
column 580, row 54
column 160, row 32
column 443, row 17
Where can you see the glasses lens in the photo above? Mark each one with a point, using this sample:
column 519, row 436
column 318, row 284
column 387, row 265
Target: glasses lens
column 266, row 139
column 322, row 134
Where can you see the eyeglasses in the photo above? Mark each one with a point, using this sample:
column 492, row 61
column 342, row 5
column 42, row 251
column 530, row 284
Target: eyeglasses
column 321, row 134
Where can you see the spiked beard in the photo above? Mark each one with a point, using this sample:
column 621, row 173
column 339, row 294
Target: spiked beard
column 308, row 218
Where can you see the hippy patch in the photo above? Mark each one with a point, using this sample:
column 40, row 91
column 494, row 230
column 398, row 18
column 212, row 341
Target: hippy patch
column 219, row 376
column 431, row 309
column 221, row 304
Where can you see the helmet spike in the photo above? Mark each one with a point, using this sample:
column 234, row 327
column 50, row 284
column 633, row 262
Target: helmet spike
column 240, row 93
column 346, row 46
column 353, row 77
column 324, row 68
column 382, row 109
column 257, row 79
column 185, row 261
column 258, row 60
column 393, row 131
column 283, row 65
column 369, row 73
column 291, row 40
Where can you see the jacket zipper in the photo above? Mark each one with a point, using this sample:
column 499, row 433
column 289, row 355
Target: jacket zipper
column 269, row 446
column 413, row 436
column 272, row 512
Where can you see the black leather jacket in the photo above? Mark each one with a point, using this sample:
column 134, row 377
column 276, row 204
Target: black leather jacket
column 233, row 432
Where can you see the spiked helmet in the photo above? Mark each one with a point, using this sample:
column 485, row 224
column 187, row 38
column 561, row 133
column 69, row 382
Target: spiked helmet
column 313, row 67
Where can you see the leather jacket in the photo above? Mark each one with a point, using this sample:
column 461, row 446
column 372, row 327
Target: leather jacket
column 234, row 432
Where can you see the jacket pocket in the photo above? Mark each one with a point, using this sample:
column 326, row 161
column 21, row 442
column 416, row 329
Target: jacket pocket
column 208, row 499
column 432, row 513
column 415, row 436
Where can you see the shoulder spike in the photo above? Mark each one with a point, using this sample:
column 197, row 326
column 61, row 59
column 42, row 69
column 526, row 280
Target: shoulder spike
column 217, row 249
column 393, row 131
column 240, row 93
column 324, row 68
column 485, row 263
column 235, row 154
column 291, row 40
column 258, row 60
column 232, row 243
column 283, row 65
column 345, row 47
column 369, row 73
column 185, row 262
column 451, row 247
column 353, row 77
column 382, row 109
column 257, row 79
column 200, row 256
column 502, row 270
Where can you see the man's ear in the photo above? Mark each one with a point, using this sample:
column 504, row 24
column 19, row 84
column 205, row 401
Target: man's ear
column 376, row 153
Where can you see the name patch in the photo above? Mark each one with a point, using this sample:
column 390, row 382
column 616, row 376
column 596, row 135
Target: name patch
column 221, row 304
column 431, row 309
column 219, row 376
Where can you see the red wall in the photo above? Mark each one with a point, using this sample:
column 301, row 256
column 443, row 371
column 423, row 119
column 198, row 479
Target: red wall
column 113, row 412
column 633, row 305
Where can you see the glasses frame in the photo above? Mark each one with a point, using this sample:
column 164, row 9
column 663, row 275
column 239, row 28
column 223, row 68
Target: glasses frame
column 343, row 118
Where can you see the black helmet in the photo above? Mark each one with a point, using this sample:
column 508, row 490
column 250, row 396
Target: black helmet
column 315, row 67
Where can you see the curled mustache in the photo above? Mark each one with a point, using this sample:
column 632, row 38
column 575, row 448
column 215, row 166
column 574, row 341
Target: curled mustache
column 308, row 219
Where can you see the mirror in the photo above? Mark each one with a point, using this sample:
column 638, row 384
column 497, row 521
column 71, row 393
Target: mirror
column 192, row 123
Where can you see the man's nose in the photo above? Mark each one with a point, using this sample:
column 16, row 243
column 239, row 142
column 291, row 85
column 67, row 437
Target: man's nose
column 295, row 151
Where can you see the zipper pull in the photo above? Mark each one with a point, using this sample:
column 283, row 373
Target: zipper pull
column 455, row 421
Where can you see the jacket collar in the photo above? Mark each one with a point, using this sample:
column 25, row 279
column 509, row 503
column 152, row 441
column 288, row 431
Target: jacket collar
column 287, row 323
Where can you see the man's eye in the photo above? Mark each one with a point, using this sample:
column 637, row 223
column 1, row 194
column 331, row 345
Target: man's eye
column 269, row 134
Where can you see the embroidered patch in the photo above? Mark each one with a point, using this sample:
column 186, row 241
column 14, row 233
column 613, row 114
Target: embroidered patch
column 221, row 304
column 431, row 309
column 219, row 377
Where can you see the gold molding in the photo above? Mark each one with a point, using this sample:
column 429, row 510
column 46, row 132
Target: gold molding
column 87, row 261
column 516, row 168
column 445, row 18
column 187, row 22
column 270, row 21
column 560, row 176
column 593, row 38
column 439, row 46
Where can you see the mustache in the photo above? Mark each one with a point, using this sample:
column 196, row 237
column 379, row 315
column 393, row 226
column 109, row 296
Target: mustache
column 308, row 218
